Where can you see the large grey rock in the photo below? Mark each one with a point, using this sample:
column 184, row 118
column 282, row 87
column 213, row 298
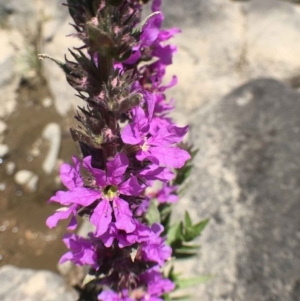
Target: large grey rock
column 246, row 179
column 64, row 94
column 226, row 43
column 29, row 285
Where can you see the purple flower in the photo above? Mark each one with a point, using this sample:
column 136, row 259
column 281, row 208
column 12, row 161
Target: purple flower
column 113, row 184
column 82, row 251
column 155, row 249
column 109, row 186
column 109, row 295
column 63, row 213
column 154, row 172
column 166, row 195
column 77, row 195
column 140, row 234
column 156, row 285
column 158, row 147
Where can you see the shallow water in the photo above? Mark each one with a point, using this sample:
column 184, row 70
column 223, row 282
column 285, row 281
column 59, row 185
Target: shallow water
column 25, row 241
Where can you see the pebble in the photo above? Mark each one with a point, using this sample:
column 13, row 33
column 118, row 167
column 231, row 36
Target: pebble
column 2, row 186
column 47, row 102
column 52, row 133
column 27, row 178
column 3, row 150
column 3, row 127
column 10, row 167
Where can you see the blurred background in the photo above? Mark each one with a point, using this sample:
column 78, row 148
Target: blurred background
column 238, row 65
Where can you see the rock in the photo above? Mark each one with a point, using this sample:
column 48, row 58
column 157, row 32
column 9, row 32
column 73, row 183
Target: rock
column 52, row 133
column 30, row 285
column 226, row 43
column 10, row 167
column 246, row 179
column 47, row 102
column 4, row 149
column 3, row 127
column 64, row 94
column 27, row 179
column 9, row 80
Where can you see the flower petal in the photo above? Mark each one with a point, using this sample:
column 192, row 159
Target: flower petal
column 116, row 168
column 70, row 176
column 131, row 187
column 123, row 216
column 101, row 217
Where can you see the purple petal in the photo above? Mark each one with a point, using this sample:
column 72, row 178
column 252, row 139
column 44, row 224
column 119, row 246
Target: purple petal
column 131, row 187
column 70, row 176
column 156, row 5
column 82, row 196
column 61, row 213
column 150, row 30
column 168, row 135
column 116, row 168
column 109, row 236
column 135, row 56
column 155, row 172
column 129, row 134
column 164, row 53
column 150, row 100
column 166, row 34
column 101, row 217
column 66, row 257
column 123, row 215
column 99, row 174
column 169, row 156
column 72, row 224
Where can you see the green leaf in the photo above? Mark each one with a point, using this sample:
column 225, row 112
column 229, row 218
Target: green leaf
column 199, row 227
column 187, row 219
column 153, row 215
column 185, row 283
column 175, row 233
column 185, row 251
column 181, row 298
column 165, row 216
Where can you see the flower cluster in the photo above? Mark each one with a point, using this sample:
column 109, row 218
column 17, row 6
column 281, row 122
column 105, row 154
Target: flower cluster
column 128, row 143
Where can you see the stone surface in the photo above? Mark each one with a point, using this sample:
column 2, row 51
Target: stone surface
column 29, row 285
column 52, row 133
column 4, row 149
column 3, row 127
column 226, row 43
column 246, row 179
column 27, row 179
column 64, row 95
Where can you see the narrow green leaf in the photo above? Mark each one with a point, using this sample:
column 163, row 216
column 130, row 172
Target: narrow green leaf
column 200, row 226
column 187, row 220
column 185, row 283
column 175, row 233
